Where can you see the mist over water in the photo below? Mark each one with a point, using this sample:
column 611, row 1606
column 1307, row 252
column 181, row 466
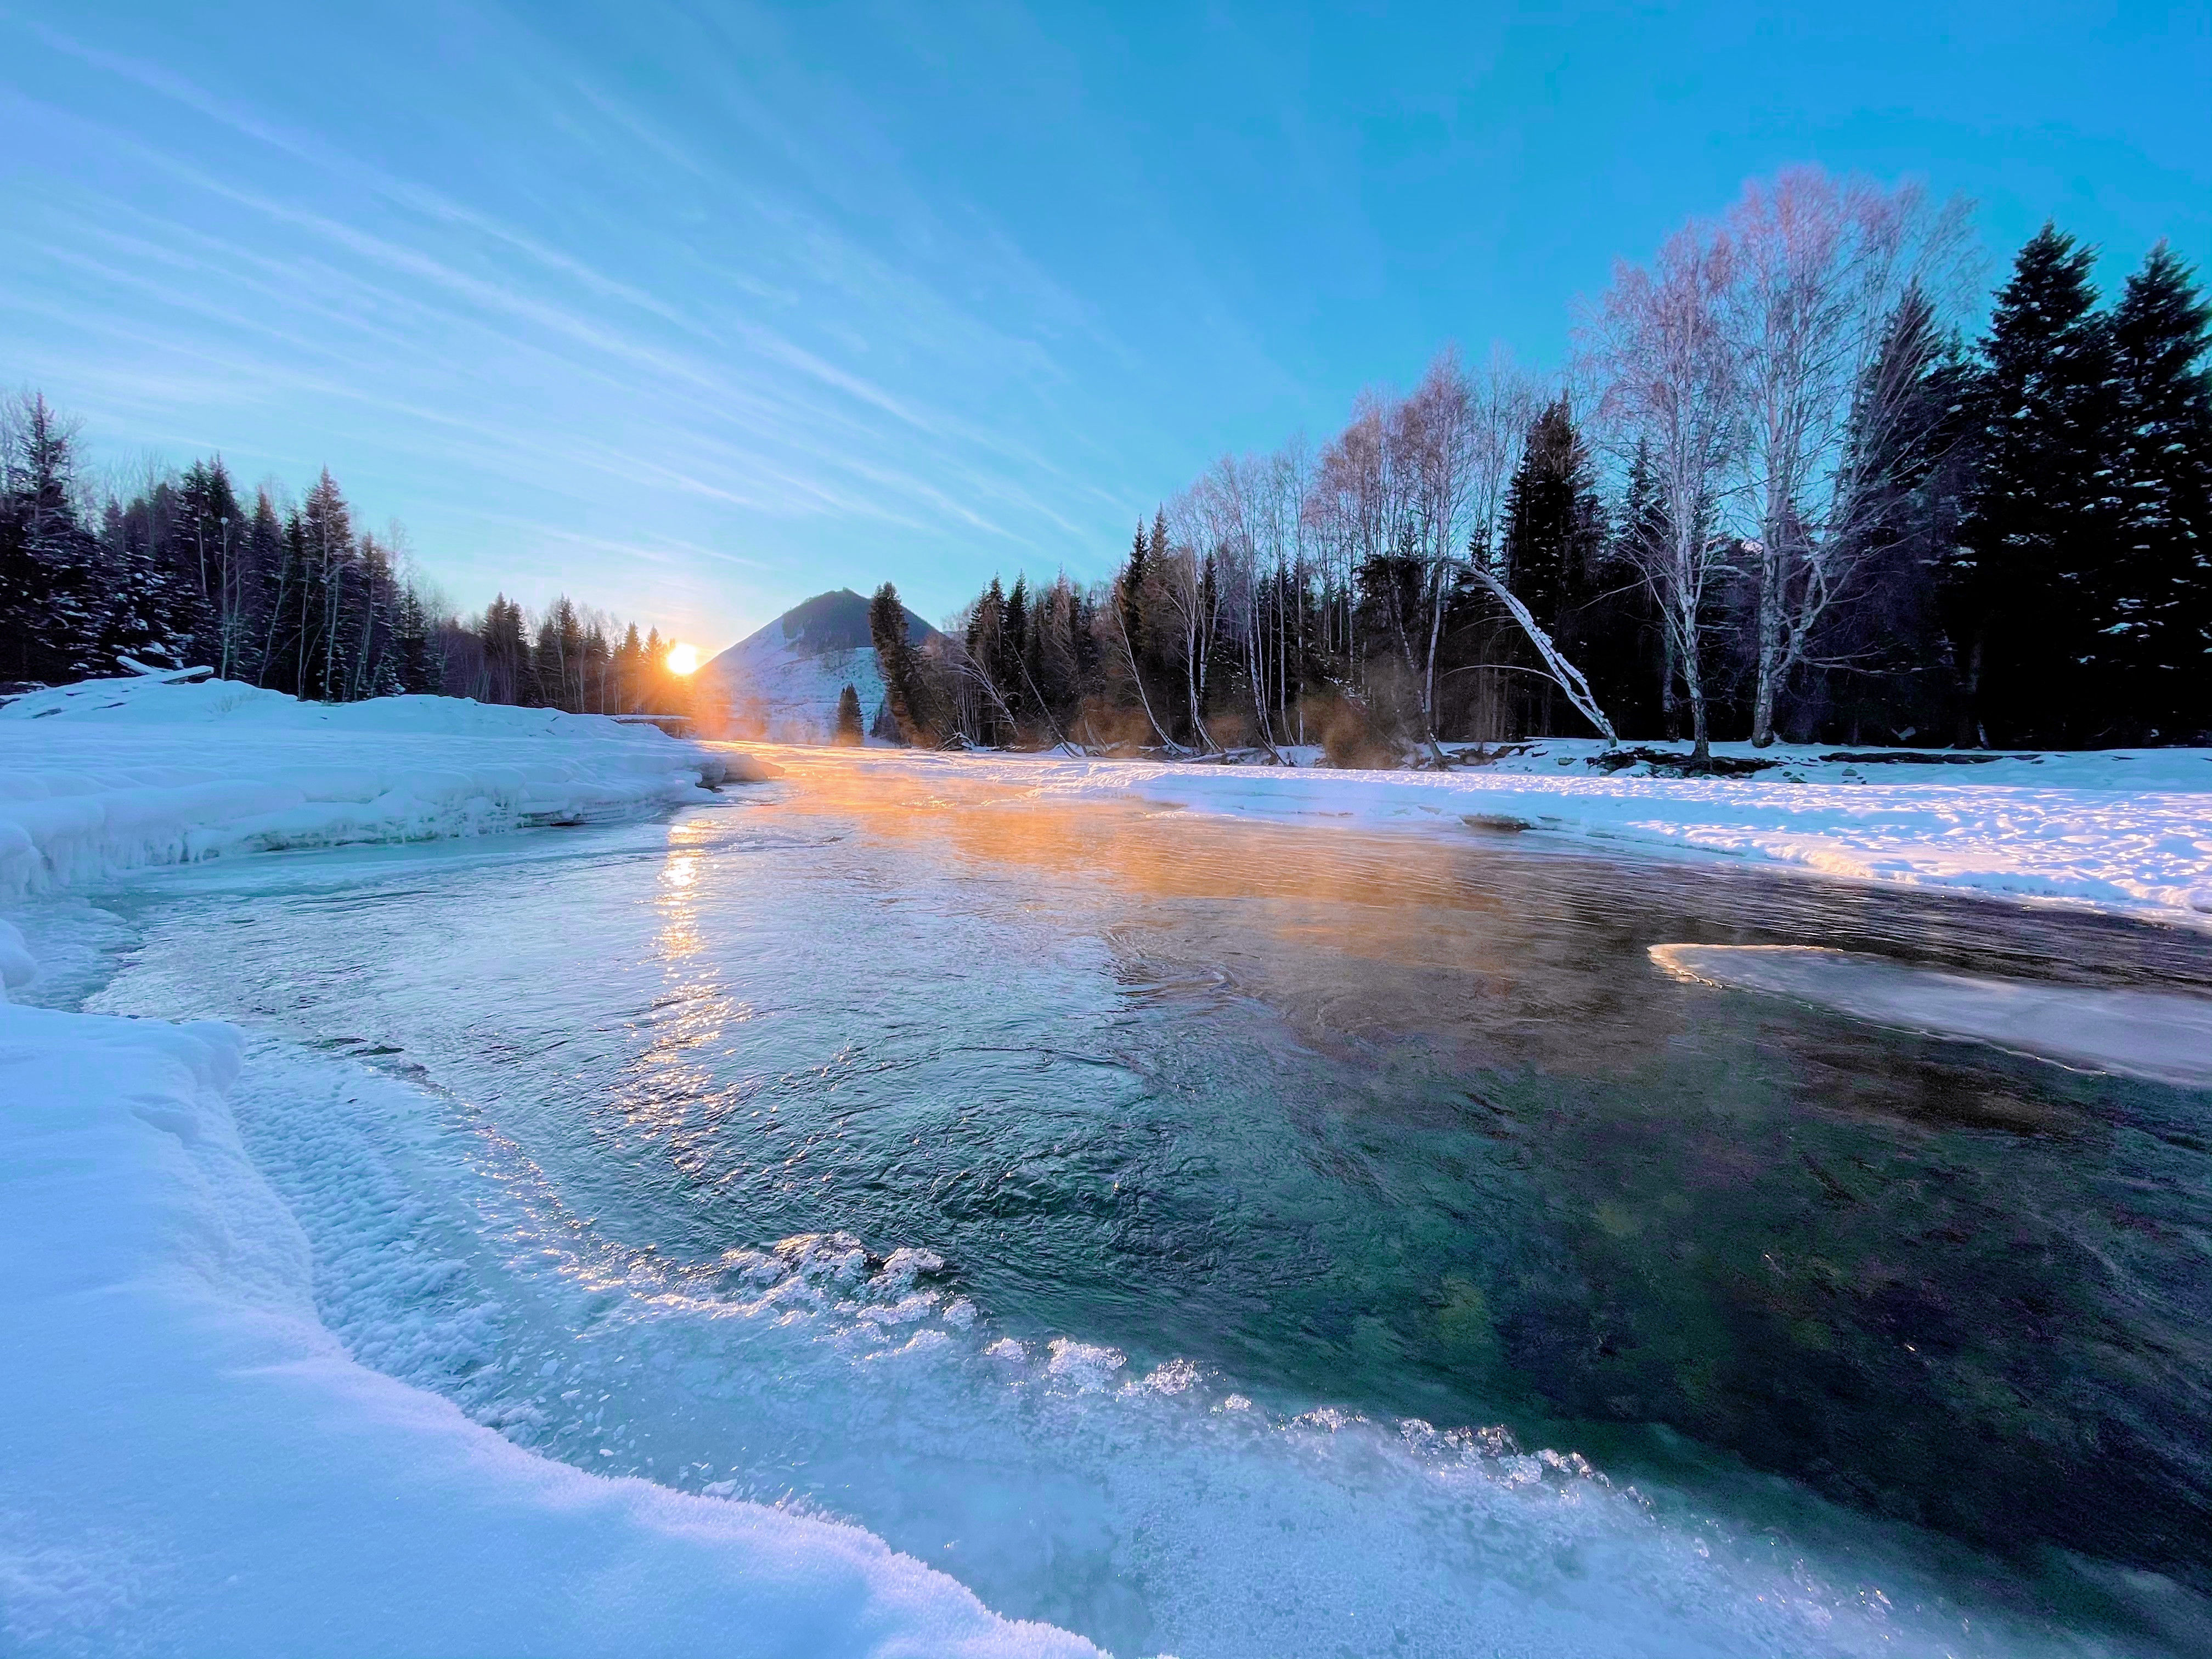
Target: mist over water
column 1192, row 1234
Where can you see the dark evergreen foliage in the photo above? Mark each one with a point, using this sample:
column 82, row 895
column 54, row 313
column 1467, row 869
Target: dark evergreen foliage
column 2161, row 605
column 2027, row 560
column 887, row 632
column 293, row 598
column 851, row 732
column 2029, row 590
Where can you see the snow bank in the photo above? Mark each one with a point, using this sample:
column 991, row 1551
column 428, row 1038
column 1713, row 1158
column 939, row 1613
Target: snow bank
column 2113, row 831
column 114, row 773
column 193, row 1465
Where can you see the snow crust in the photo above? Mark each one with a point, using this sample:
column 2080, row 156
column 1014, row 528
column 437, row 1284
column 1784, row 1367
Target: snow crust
column 2114, row 829
column 2166, row 1036
column 192, row 1465
column 110, row 774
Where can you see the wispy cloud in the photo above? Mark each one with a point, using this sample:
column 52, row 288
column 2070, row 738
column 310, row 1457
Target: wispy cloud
column 606, row 335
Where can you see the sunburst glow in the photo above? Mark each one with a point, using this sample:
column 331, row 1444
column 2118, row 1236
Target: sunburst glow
column 683, row 658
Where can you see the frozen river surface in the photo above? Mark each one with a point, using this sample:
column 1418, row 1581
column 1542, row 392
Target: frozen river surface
column 1223, row 1240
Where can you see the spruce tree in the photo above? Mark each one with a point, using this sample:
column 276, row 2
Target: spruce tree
column 325, row 549
column 1617, row 632
column 850, row 732
column 1014, row 647
column 50, row 598
column 2029, row 590
column 1554, row 530
column 894, row 661
column 549, row 673
column 985, row 643
column 1906, row 463
column 264, row 557
column 1554, row 526
column 506, row 653
column 2163, row 389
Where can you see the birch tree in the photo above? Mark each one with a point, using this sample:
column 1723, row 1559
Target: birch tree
column 1660, row 353
column 1817, row 270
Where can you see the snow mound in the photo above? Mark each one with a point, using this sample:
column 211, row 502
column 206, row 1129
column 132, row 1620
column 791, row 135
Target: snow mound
column 209, row 1473
column 2165, row 1036
column 111, row 774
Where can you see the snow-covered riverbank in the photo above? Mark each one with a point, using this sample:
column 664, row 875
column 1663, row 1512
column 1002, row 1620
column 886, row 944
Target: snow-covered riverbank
column 2128, row 831
column 191, row 1464
column 115, row 774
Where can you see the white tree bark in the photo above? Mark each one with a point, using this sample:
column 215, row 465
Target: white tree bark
column 1561, row 672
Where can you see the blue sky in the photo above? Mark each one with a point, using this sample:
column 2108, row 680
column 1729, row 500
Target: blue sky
column 696, row 312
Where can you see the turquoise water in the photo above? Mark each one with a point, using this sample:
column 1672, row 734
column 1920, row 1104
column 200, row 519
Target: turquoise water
column 1290, row 1121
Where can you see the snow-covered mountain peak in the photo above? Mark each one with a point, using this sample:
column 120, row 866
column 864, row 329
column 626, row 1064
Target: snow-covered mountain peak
column 781, row 682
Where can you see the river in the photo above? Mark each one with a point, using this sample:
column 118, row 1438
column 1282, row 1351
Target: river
column 1223, row 1239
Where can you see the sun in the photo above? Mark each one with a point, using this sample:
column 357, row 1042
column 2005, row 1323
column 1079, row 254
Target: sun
column 683, row 658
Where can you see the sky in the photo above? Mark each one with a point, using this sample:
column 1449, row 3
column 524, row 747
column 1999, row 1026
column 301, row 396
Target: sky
column 695, row 312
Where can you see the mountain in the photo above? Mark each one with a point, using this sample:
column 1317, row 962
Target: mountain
column 782, row 683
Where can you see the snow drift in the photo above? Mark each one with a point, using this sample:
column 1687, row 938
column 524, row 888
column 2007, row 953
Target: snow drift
column 111, row 774
column 190, row 1461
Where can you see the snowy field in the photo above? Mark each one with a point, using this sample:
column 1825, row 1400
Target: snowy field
column 2115, row 831
column 190, row 1452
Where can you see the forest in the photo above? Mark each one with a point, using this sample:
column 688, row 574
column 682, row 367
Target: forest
column 1777, row 495
column 181, row 570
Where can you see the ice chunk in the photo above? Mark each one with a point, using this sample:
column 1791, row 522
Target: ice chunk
column 2162, row 1035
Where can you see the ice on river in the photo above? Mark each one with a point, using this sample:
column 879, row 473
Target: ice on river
column 190, row 1463
column 2166, row 1036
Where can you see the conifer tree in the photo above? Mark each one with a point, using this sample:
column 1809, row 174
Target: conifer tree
column 265, row 553
column 324, row 550
column 1009, row 672
column 2028, row 589
column 629, row 664
column 1553, row 524
column 549, row 674
column 49, row 598
column 506, row 652
column 2163, row 602
column 895, row 662
column 850, row 730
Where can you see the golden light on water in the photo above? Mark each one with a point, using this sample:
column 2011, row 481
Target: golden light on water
column 683, row 658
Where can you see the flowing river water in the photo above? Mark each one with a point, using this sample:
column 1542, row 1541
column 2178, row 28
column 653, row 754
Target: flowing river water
column 1222, row 1239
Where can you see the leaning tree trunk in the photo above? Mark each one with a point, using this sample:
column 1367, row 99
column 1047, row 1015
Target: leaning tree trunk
column 1557, row 669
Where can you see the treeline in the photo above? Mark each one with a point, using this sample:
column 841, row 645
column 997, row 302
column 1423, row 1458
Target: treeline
column 1776, row 495
column 287, row 594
